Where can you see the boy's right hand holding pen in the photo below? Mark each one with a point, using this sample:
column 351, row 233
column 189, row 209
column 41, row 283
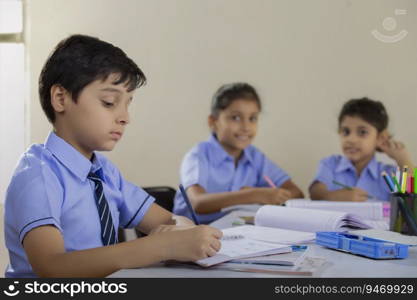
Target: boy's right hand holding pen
column 353, row 194
column 349, row 193
column 190, row 244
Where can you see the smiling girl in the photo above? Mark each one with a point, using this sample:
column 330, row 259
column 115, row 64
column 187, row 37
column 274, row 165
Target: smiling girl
column 226, row 169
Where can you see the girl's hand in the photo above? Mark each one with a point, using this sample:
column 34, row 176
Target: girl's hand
column 274, row 196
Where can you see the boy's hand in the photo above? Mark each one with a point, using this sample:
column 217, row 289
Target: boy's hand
column 396, row 150
column 182, row 221
column 275, row 196
column 176, row 223
column 193, row 243
column 355, row 195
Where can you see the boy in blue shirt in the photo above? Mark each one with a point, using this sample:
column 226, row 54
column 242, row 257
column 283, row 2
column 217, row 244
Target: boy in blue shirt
column 226, row 169
column 363, row 130
column 65, row 201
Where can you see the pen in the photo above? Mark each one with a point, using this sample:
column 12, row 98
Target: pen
column 269, row 181
column 409, row 184
column 394, row 178
column 404, row 180
column 388, row 181
column 188, row 203
column 298, row 247
column 348, row 187
column 399, row 176
column 342, row 185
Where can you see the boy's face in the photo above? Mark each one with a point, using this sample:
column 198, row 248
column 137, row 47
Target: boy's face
column 359, row 139
column 236, row 125
column 99, row 117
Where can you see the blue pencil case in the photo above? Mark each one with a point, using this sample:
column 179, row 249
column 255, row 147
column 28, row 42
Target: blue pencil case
column 360, row 245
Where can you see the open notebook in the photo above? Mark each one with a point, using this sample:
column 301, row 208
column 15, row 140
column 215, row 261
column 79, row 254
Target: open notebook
column 235, row 246
column 310, row 220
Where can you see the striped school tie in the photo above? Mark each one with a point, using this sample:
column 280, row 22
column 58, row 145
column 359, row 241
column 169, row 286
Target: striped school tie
column 108, row 233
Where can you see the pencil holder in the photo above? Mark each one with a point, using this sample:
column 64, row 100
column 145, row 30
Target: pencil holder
column 403, row 217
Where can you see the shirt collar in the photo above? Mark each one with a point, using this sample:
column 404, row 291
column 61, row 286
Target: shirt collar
column 372, row 168
column 71, row 158
column 345, row 165
column 218, row 154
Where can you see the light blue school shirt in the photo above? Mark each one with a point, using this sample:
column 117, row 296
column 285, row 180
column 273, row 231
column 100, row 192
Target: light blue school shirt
column 210, row 166
column 341, row 169
column 50, row 187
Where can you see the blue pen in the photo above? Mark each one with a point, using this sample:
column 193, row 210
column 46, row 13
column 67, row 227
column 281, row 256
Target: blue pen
column 298, row 247
column 188, row 203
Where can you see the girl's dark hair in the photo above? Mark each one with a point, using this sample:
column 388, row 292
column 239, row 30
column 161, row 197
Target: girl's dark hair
column 79, row 60
column 228, row 93
column 369, row 110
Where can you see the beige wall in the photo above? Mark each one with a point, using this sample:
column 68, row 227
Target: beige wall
column 305, row 57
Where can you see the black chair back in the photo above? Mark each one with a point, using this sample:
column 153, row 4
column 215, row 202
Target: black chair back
column 164, row 197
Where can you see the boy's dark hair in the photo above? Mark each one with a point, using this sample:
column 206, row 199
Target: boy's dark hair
column 228, row 93
column 369, row 110
column 79, row 60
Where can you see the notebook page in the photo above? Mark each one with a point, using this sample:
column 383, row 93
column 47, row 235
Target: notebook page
column 366, row 210
column 241, row 248
column 310, row 220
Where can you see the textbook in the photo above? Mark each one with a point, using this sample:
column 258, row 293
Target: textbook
column 310, row 220
column 371, row 210
column 238, row 246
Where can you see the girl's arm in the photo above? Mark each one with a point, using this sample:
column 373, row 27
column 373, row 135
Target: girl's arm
column 293, row 189
column 205, row 203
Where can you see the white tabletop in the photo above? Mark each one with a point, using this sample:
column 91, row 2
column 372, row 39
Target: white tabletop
column 340, row 264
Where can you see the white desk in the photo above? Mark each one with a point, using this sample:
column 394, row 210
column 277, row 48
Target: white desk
column 341, row 265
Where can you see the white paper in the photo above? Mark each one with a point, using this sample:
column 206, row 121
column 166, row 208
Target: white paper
column 241, row 248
